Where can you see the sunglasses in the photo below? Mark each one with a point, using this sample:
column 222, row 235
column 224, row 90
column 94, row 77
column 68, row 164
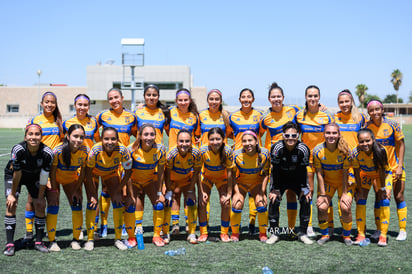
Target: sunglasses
column 288, row 135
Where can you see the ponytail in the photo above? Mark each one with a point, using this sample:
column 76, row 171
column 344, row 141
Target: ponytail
column 380, row 158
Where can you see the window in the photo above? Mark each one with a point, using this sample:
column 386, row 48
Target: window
column 71, row 108
column 12, row 108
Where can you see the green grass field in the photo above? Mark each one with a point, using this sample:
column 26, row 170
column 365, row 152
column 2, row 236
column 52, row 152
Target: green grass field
column 246, row 256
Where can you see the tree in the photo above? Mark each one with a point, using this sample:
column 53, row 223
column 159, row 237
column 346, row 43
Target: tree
column 360, row 92
column 396, row 81
column 410, row 97
column 391, row 98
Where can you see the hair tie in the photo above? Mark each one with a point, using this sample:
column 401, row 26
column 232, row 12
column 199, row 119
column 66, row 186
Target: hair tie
column 374, row 101
column 48, row 93
column 81, row 97
column 214, row 90
column 250, row 132
column 183, row 91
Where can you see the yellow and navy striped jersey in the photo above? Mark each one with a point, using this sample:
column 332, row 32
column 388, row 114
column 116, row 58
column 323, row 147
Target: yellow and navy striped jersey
column 125, row 123
column 349, row 128
column 104, row 164
column 273, row 123
column 211, row 168
column 154, row 117
column 145, row 164
column 180, row 120
column 209, row 120
column 182, row 167
column 90, row 127
column 65, row 175
column 387, row 134
column 247, row 168
column 240, row 122
column 364, row 162
column 331, row 163
column 51, row 131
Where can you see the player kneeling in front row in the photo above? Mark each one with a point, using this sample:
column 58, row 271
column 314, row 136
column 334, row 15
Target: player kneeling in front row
column 290, row 157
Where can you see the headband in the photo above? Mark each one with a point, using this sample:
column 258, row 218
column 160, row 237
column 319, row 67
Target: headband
column 214, row 90
column 48, row 93
column 249, row 132
column 81, row 97
column 345, row 93
column 183, row 92
column 35, row 125
column 374, row 101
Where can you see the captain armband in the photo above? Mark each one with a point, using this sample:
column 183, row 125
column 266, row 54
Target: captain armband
column 127, row 165
column 44, row 177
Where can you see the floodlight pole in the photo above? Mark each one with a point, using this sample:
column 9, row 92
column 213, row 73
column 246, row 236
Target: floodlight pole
column 39, row 107
column 133, row 105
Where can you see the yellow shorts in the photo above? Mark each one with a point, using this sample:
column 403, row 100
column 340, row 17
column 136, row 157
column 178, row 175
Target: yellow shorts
column 141, row 185
column 179, row 184
column 366, row 181
column 310, row 168
column 217, row 183
column 248, row 187
column 115, row 173
column 403, row 178
column 330, row 189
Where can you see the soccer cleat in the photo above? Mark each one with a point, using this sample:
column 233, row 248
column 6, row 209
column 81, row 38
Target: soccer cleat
column 305, row 239
column 309, row 232
column 292, row 235
column 376, row 235
column 401, row 236
column 331, row 230
column 103, row 231
column 75, row 245
column 9, row 250
column 175, row 230
column 359, row 239
column 54, row 247
column 120, row 245
column 225, row 238
column 252, row 229
column 96, row 236
column 263, row 237
column 272, row 239
column 347, row 240
column 323, row 240
column 202, row 238
column 39, row 246
column 235, row 237
column 158, row 241
column 382, row 241
column 131, row 242
column 192, row 239
column 166, row 239
column 89, row 246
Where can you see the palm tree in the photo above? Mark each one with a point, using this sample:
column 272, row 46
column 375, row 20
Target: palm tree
column 360, row 92
column 396, row 81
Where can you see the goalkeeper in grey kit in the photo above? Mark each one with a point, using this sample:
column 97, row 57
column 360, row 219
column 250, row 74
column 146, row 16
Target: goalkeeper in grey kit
column 290, row 158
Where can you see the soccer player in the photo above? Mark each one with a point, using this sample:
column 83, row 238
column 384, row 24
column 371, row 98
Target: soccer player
column 331, row 160
column 182, row 175
column 312, row 121
column 217, row 169
column 370, row 163
column 389, row 134
column 30, row 165
column 252, row 175
column 106, row 159
column 147, row 175
column 247, row 118
column 68, row 170
column 290, row 159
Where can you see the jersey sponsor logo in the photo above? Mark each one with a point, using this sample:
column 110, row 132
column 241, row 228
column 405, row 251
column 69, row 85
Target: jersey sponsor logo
column 294, row 158
column 39, row 162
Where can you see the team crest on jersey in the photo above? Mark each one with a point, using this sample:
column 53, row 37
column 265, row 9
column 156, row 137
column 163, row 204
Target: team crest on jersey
column 190, row 120
column 155, row 158
column 385, row 132
column 160, row 116
column 190, row 162
column 340, row 158
column 294, row 158
column 39, row 162
column 320, row 120
column 116, row 161
column 127, row 119
column 255, row 119
column 80, row 161
column 289, row 114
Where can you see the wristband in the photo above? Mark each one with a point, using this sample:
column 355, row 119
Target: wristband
column 159, row 193
column 190, row 191
column 53, row 190
column 383, row 188
column 323, row 195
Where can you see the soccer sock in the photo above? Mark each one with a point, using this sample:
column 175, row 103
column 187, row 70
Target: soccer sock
column 138, row 217
column 310, row 218
column 339, row 212
column 129, row 220
column 104, row 204
column 175, row 216
column 402, row 211
column 77, row 221
column 235, row 217
column 330, row 215
column 292, row 211
column 376, row 212
column 323, row 225
column 191, row 220
column 262, row 214
column 166, row 220
column 90, row 216
column 361, row 216
column 96, row 219
column 347, row 227
column 118, row 220
column 208, row 211
column 39, row 223
column 29, row 217
column 224, row 227
column 51, row 221
column 203, row 228
column 158, row 216
column 10, row 223
column 252, row 210
column 384, row 216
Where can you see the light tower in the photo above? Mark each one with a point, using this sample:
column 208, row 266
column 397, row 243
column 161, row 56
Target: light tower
column 132, row 57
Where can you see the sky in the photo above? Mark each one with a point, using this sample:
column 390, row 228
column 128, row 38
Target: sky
column 229, row 45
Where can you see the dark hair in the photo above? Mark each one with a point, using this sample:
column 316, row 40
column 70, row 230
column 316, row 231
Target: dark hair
column 31, row 125
column 342, row 145
column 273, row 86
column 82, row 95
column 114, row 89
column 258, row 150
column 247, row 89
column 218, row 130
column 164, row 108
column 192, row 105
column 225, row 114
column 138, row 141
column 380, row 158
column 183, row 130
column 108, row 129
column 56, row 113
column 306, row 102
column 290, row 125
column 379, row 101
column 66, row 152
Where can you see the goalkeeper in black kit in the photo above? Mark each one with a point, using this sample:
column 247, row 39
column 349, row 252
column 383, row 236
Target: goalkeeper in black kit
column 289, row 157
